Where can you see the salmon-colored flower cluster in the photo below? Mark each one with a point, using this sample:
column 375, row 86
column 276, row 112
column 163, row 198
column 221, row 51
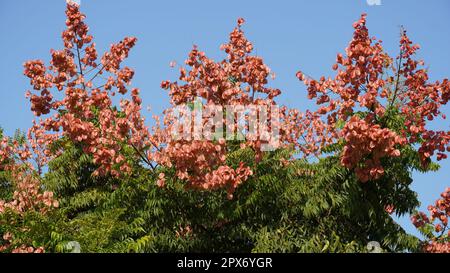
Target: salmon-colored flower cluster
column 238, row 80
column 227, row 176
column 12, row 151
column 439, row 213
column 8, row 237
column 368, row 80
column 28, row 194
column 119, row 52
column 86, row 114
column 76, row 34
column 366, row 145
column 420, row 102
column 40, row 143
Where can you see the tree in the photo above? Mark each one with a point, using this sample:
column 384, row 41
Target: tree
column 91, row 171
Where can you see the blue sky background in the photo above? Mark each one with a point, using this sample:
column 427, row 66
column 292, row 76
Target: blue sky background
column 289, row 35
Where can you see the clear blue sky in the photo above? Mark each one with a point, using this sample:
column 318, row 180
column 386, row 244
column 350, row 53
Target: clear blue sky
column 289, row 35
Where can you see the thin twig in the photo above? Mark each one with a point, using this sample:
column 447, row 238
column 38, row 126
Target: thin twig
column 143, row 157
column 79, row 63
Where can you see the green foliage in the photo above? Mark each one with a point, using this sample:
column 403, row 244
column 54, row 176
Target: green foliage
column 297, row 207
